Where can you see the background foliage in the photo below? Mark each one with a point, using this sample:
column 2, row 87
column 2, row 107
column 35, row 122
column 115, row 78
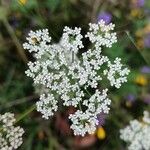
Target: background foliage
column 18, row 17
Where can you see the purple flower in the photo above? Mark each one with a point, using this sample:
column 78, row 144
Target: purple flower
column 147, row 41
column 145, row 69
column 140, row 3
column 107, row 17
column 101, row 118
column 130, row 97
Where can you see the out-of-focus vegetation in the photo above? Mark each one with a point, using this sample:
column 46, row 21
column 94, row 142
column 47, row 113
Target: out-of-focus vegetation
column 132, row 19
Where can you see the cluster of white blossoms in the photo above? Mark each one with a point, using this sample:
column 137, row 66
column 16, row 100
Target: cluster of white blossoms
column 10, row 136
column 63, row 76
column 47, row 105
column 137, row 134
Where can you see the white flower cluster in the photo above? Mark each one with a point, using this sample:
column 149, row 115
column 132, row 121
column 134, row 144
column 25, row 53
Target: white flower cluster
column 100, row 34
column 83, row 122
column 114, row 71
column 68, row 78
column 47, row 105
column 10, row 136
column 137, row 134
column 71, row 39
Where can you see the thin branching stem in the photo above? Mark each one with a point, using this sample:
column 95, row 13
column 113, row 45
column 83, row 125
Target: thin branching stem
column 20, row 50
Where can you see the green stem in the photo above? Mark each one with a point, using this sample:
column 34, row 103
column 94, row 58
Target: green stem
column 25, row 113
column 1, row 129
column 142, row 52
column 80, row 106
column 72, row 57
column 20, row 50
column 82, row 111
column 88, row 92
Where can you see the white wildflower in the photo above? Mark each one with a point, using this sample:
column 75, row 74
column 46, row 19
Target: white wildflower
column 98, row 102
column 137, row 134
column 72, row 39
column 115, row 70
column 47, row 105
column 66, row 77
column 83, row 122
column 10, row 136
column 38, row 42
column 101, row 35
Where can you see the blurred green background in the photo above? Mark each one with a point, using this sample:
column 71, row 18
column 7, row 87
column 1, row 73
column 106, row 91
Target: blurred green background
column 132, row 19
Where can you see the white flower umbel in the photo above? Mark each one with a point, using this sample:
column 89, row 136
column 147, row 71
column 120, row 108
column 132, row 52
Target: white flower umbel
column 115, row 70
column 47, row 105
column 83, row 122
column 72, row 39
column 10, row 136
column 101, row 35
column 137, row 134
column 67, row 77
column 40, row 37
column 98, row 102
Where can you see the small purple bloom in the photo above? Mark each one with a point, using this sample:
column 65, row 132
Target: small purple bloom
column 145, row 69
column 101, row 118
column 130, row 97
column 147, row 41
column 140, row 3
column 107, row 17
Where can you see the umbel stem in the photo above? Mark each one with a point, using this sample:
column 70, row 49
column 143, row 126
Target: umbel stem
column 23, row 114
column 26, row 113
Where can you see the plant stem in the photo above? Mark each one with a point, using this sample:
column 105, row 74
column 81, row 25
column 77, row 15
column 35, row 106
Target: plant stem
column 80, row 106
column 72, row 57
column 142, row 52
column 1, row 129
column 87, row 92
column 25, row 113
column 20, row 50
